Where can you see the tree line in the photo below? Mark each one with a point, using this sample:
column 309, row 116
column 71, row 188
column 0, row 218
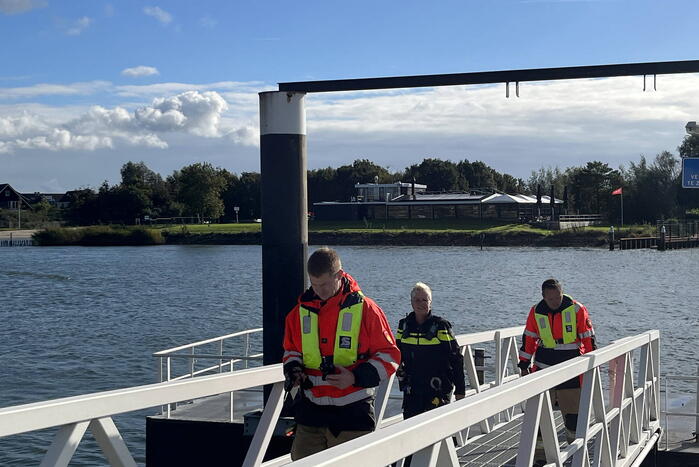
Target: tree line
column 651, row 189
column 199, row 192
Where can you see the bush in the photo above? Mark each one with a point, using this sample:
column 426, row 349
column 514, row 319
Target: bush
column 99, row 236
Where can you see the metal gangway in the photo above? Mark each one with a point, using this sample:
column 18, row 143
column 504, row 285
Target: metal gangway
column 618, row 424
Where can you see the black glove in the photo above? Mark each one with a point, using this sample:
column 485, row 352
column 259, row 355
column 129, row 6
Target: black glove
column 293, row 377
column 524, row 367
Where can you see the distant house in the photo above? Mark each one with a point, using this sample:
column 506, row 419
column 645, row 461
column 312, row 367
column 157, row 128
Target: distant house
column 405, row 201
column 11, row 199
column 58, row 200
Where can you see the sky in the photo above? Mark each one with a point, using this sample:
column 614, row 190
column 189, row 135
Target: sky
column 86, row 86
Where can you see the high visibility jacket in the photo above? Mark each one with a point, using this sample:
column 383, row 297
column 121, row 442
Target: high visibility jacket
column 554, row 336
column 373, row 356
column 429, row 350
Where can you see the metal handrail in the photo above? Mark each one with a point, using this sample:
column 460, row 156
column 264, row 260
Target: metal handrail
column 486, row 336
column 206, row 341
column 57, row 412
column 667, row 413
column 429, row 436
column 427, row 432
column 74, row 415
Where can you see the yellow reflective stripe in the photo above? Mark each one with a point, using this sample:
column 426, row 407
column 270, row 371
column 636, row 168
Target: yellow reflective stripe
column 568, row 321
column 310, row 346
column 542, row 322
column 444, row 335
column 420, row 341
column 345, row 351
column 347, row 334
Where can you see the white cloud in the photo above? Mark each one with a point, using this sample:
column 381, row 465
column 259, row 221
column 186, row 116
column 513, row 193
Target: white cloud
column 561, row 123
column 191, row 113
column 246, row 135
column 140, row 70
column 11, row 7
column 158, row 13
column 79, row 26
column 59, row 139
column 249, row 89
column 47, row 89
column 566, row 109
column 207, row 22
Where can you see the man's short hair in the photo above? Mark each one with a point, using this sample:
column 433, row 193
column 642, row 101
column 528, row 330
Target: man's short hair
column 324, row 261
column 551, row 284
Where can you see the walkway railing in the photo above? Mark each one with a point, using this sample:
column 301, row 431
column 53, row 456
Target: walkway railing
column 191, row 357
column 167, row 356
column 620, row 435
column 679, row 413
column 625, row 429
column 75, row 415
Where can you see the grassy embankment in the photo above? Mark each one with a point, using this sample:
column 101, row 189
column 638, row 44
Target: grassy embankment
column 410, row 232
column 394, row 232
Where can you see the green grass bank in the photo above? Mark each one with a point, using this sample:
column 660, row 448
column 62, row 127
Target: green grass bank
column 394, row 232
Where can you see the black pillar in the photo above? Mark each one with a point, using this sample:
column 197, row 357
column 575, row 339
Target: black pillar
column 284, row 212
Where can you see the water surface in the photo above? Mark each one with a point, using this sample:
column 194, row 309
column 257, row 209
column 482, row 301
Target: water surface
column 76, row 320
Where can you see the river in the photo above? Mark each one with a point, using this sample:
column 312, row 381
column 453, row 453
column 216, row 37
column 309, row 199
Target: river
column 78, row 319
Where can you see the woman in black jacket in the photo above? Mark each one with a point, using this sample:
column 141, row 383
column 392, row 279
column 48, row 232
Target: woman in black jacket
column 431, row 361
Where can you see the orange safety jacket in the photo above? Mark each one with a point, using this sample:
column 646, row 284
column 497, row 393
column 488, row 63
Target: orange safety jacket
column 378, row 355
column 532, row 343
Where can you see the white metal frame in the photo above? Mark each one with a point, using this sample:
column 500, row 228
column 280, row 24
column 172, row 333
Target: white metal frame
column 620, row 435
column 165, row 356
column 667, row 413
column 626, row 429
column 75, row 415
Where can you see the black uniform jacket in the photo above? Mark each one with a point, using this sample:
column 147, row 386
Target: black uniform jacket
column 430, row 350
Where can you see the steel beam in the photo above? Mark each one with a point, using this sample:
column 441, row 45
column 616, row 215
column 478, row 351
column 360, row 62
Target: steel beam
column 489, row 77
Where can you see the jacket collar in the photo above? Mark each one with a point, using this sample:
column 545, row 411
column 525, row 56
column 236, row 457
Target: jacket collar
column 543, row 308
column 410, row 319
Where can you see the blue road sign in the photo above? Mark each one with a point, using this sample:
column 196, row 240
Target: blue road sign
column 690, row 172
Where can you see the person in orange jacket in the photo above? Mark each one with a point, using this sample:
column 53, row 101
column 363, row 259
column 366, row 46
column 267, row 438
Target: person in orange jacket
column 558, row 328
column 338, row 347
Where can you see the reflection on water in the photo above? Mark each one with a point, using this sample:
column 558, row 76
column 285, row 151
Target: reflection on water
column 77, row 320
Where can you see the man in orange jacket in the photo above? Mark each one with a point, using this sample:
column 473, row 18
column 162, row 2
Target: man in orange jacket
column 338, row 347
column 558, row 329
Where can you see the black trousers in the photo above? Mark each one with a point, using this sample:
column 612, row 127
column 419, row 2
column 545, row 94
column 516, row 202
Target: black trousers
column 415, row 404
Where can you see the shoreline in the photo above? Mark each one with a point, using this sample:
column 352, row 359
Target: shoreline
column 136, row 236
column 407, row 238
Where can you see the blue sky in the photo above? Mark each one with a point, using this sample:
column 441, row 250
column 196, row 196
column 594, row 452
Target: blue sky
column 88, row 85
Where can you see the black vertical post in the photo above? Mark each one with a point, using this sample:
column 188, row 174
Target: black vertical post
column 611, row 239
column 284, row 212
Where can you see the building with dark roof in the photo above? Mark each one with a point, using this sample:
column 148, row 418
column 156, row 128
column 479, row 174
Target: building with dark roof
column 418, row 203
column 12, row 199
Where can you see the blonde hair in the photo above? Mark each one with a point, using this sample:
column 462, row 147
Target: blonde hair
column 421, row 286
